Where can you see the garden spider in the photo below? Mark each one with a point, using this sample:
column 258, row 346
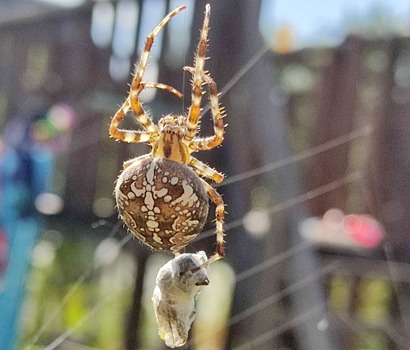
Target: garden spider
column 159, row 195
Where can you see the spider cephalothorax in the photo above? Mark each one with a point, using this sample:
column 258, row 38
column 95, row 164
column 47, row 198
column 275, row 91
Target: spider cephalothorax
column 170, row 142
column 159, row 195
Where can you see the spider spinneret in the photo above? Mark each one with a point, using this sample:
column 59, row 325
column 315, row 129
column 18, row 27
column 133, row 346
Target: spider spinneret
column 162, row 196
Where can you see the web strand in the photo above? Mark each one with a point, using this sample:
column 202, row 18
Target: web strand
column 331, row 186
column 87, row 272
column 234, row 224
column 314, row 277
column 55, row 343
column 391, row 265
column 281, row 206
column 238, row 76
column 272, row 261
column 323, row 271
column 358, row 133
column 292, row 323
column 359, row 329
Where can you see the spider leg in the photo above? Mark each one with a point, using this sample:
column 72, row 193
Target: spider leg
column 207, row 143
column 205, row 170
column 219, row 215
column 126, row 135
column 163, row 87
column 194, row 111
column 216, row 198
column 136, row 86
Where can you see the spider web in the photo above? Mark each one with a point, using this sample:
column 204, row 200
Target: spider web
column 314, row 277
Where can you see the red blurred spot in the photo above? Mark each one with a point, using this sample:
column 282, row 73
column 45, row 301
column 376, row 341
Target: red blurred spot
column 364, row 229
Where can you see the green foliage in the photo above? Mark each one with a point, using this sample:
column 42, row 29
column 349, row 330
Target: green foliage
column 68, row 292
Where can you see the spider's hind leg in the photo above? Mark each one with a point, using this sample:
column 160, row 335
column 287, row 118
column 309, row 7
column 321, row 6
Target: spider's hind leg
column 216, row 198
column 205, row 170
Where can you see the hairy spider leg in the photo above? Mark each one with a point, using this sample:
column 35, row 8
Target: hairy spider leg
column 127, row 135
column 204, row 170
column 207, row 143
column 194, row 111
column 151, row 130
column 136, row 86
column 216, row 198
column 163, row 87
column 132, row 135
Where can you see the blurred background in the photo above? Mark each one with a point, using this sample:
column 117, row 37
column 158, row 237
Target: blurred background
column 316, row 157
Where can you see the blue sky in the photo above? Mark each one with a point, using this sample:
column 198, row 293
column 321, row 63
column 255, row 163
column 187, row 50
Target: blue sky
column 312, row 19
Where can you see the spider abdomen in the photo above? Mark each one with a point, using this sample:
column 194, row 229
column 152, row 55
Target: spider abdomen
column 162, row 202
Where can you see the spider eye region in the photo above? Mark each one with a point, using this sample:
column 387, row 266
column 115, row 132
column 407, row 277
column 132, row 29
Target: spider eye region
column 172, row 122
column 162, row 202
column 170, row 143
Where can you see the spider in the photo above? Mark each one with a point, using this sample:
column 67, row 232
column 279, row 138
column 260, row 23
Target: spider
column 162, row 196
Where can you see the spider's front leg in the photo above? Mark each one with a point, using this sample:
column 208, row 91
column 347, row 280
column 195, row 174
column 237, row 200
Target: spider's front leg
column 207, row 143
column 126, row 135
column 194, row 112
column 137, row 86
column 150, row 129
